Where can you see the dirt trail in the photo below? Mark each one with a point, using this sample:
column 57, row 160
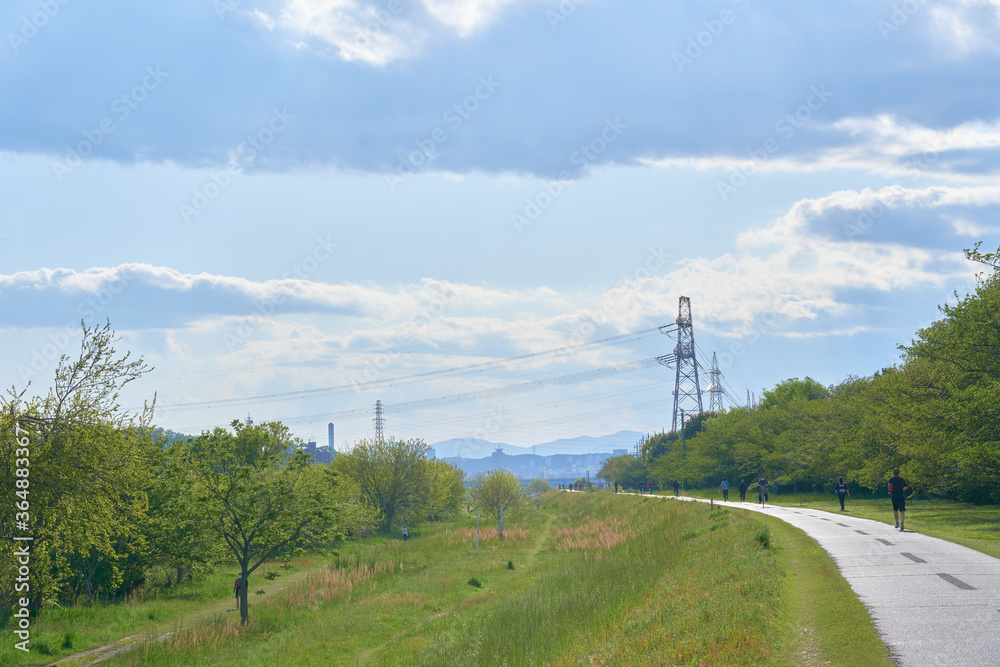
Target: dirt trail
column 167, row 628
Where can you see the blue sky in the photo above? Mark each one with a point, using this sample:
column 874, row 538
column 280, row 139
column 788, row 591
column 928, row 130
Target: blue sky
column 296, row 195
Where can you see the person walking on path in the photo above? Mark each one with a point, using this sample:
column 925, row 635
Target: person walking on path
column 406, row 534
column 762, row 490
column 725, row 489
column 841, row 488
column 898, row 487
column 237, row 587
column 677, row 488
column 743, row 490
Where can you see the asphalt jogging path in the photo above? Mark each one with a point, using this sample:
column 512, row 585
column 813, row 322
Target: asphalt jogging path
column 933, row 602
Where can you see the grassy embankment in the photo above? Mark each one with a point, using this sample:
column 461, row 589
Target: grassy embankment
column 64, row 631
column 592, row 578
column 973, row 526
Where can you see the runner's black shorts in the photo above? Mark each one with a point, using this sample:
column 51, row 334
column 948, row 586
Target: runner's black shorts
column 899, row 504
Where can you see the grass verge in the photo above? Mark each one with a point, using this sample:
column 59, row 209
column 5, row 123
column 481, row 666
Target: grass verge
column 598, row 579
column 823, row 621
column 63, row 631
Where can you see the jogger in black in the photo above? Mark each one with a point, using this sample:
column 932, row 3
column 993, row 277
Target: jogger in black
column 841, row 488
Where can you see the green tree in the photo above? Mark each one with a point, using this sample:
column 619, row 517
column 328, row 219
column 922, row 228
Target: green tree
column 88, row 470
column 446, row 489
column 495, row 489
column 538, row 485
column 260, row 493
column 180, row 541
column 793, row 389
column 952, row 378
column 627, row 470
column 393, row 477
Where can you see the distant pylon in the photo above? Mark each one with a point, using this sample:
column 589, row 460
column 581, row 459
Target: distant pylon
column 715, row 390
column 379, row 421
column 686, row 384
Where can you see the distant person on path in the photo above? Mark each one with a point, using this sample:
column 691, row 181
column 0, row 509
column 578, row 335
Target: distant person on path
column 743, row 490
column 677, row 488
column 897, row 487
column 237, row 587
column 616, row 487
column 841, row 488
column 725, row 489
column 762, row 490
column 406, row 534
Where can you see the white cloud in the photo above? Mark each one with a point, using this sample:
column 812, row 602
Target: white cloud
column 465, row 16
column 882, row 145
column 379, row 33
column 968, row 26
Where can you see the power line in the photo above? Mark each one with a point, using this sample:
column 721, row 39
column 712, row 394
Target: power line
column 483, row 394
column 416, row 377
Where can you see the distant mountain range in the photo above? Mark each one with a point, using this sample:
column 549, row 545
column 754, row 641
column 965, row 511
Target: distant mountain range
column 474, row 448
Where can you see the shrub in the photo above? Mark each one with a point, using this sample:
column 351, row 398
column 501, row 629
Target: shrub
column 475, row 582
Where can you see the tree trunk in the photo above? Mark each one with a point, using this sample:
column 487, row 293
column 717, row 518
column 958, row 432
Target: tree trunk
column 244, row 611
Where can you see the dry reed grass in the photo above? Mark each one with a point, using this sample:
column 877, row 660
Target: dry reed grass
column 465, row 535
column 599, row 534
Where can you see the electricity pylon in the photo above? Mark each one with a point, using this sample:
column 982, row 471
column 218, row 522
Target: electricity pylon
column 687, row 388
column 715, row 390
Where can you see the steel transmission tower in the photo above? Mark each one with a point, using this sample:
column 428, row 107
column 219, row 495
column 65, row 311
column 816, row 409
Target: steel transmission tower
column 687, row 388
column 715, row 390
column 379, row 421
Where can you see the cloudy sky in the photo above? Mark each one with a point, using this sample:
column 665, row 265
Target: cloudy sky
column 294, row 208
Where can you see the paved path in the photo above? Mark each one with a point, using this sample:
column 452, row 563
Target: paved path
column 934, row 603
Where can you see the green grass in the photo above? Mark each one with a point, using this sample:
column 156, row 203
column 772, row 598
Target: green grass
column 88, row 627
column 600, row 579
column 591, row 578
column 824, row 622
column 973, row 526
